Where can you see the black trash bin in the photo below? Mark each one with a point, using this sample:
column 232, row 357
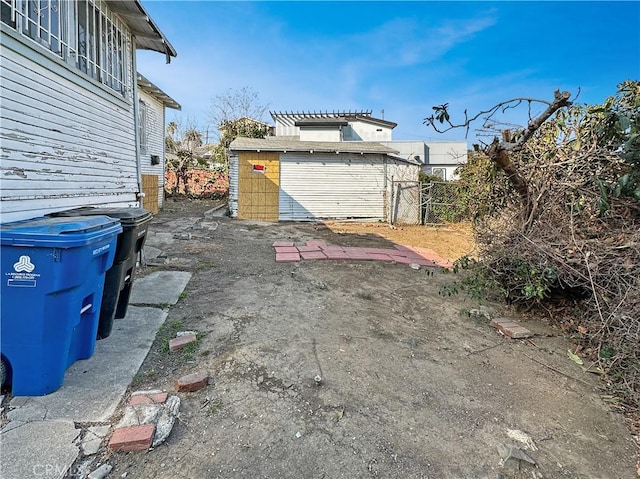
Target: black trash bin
column 119, row 278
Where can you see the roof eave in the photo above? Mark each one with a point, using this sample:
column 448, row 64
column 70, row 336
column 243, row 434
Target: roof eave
column 142, row 26
column 157, row 93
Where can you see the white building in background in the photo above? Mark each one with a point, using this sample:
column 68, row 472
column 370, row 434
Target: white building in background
column 438, row 158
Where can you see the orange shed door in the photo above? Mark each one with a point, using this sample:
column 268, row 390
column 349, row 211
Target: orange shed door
column 258, row 186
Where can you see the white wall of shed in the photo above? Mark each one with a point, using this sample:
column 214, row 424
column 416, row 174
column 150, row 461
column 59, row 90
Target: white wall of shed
column 323, row 186
column 155, row 141
column 66, row 140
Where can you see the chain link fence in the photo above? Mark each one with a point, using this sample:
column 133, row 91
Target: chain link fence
column 440, row 203
column 405, row 203
column 413, row 202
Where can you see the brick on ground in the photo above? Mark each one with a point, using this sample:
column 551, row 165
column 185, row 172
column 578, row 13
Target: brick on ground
column 287, row 257
column 381, row 257
column 357, row 253
column 286, row 249
column 192, row 382
column 132, row 438
column 511, row 328
column 312, row 255
column 180, row 342
column 336, row 254
column 306, row 249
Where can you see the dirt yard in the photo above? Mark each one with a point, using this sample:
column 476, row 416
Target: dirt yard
column 329, row 369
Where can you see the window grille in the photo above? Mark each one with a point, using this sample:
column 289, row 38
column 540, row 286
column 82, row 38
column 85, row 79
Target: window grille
column 83, row 33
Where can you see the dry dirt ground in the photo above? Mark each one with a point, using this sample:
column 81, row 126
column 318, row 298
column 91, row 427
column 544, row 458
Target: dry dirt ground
column 411, row 385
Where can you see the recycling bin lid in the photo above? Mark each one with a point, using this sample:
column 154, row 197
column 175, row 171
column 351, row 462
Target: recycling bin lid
column 127, row 216
column 58, row 232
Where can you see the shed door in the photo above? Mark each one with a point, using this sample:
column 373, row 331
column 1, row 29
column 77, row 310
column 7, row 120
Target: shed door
column 258, row 175
column 326, row 186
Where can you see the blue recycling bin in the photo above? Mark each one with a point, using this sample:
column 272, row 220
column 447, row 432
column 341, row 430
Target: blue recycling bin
column 119, row 278
column 53, row 272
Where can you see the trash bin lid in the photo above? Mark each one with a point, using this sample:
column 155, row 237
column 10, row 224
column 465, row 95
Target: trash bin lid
column 127, row 216
column 58, row 232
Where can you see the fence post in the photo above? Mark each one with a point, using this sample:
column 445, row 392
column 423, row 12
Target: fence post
column 427, row 206
column 391, row 203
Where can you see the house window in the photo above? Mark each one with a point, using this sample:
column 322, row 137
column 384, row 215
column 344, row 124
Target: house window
column 440, row 173
column 143, row 132
column 83, row 33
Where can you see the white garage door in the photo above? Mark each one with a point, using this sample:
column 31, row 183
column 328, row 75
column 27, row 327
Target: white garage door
column 324, row 186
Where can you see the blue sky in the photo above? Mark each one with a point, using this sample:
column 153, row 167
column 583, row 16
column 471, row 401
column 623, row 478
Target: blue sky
column 400, row 57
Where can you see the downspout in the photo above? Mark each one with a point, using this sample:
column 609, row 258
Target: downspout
column 163, row 176
column 136, row 121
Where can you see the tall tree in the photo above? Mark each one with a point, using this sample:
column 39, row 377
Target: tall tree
column 237, row 113
column 237, row 103
column 181, row 144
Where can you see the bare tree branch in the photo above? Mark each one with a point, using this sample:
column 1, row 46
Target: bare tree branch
column 500, row 151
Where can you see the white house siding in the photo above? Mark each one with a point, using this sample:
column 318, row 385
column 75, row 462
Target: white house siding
column 155, row 141
column 320, row 133
column 364, row 131
column 66, row 140
column 331, row 186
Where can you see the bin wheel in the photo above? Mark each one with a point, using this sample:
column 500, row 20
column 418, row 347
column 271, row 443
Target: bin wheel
column 4, row 369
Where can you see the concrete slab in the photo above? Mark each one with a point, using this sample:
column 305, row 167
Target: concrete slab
column 151, row 252
column 43, row 449
column 159, row 239
column 93, row 388
column 159, row 288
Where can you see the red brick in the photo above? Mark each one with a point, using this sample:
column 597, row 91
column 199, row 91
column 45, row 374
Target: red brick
column 147, row 398
column 132, row 438
column 286, row 249
column 312, row 255
column 498, row 321
column 332, row 248
column 380, row 257
column 282, row 243
column 511, row 328
column 357, row 253
column 336, row 254
column 287, row 257
column 192, row 382
column 181, row 341
column 379, row 250
column 306, row 249
column 517, row 332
